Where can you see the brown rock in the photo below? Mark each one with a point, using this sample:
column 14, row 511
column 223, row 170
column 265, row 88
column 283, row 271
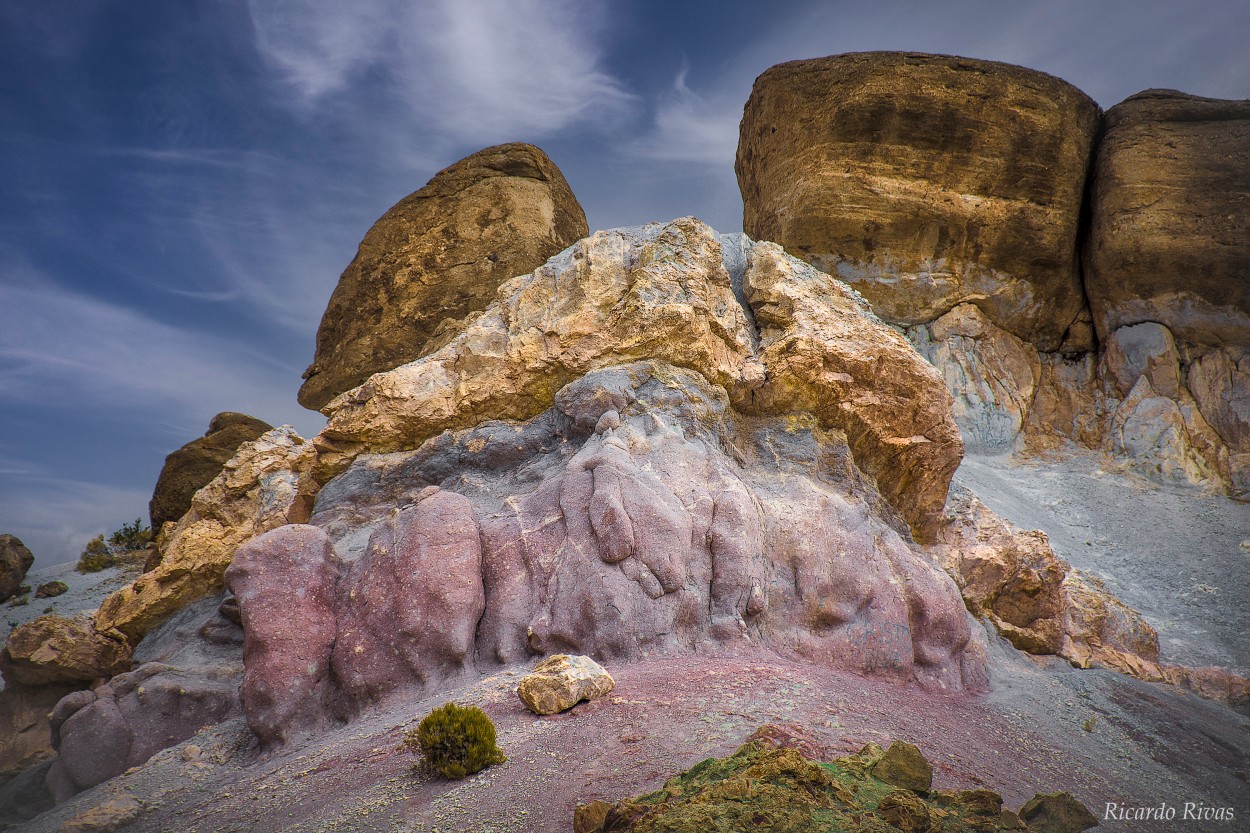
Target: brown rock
column 25, row 736
column 925, row 182
column 560, row 682
column 15, row 560
column 52, row 649
column 265, row 485
column 905, row 810
column 51, row 588
column 589, row 818
column 438, row 256
column 1169, row 238
column 904, row 766
column 1056, row 813
column 1220, row 383
column 193, row 466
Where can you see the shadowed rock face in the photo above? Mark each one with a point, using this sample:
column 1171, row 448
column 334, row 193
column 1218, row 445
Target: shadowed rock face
column 193, row 466
column 925, row 182
column 438, row 256
column 1170, row 234
column 640, row 515
column 15, row 560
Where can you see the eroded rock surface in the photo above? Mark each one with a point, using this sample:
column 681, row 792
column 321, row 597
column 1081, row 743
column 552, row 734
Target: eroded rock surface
column 925, row 182
column 438, row 256
column 15, row 561
column 561, row 682
column 53, row 649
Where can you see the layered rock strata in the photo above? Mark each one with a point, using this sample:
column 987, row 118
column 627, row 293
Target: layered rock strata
column 438, row 256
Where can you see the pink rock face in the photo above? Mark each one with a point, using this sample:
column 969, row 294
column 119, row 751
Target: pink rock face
column 408, row 609
column 285, row 582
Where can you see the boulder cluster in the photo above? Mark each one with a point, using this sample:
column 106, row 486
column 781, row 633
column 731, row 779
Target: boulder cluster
column 663, row 440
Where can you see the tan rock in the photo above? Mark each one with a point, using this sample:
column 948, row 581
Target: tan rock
column 1167, row 440
column 25, row 733
column 1145, row 349
column 1010, row 576
column 265, row 485
column 826, row 353
column 614, row 298
column 925, row 182
column 991, row 375
column 193, row 466
column 665, row 295
column 1101, row 630
column 106, row 817
column 52, row 649
column 438, row 256
column 560, row 682
column 1069, row 404
column 904, row 766
column 1169, row 238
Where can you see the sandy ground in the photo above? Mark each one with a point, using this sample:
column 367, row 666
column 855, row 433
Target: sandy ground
column 1173, row 553
column 1033, row 732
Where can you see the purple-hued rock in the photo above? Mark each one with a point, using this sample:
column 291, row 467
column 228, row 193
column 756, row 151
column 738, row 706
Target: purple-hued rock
column 408, row 609
column 100, row 734
column 285, row 583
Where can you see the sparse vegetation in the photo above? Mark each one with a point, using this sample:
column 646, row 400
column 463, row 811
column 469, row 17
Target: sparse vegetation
column 124, row 546
column 455, row 741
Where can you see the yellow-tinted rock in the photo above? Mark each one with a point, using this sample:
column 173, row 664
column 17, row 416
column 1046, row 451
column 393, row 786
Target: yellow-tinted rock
column 52, row 649
column 560, row 682
column 438, row 256
column 926, row 181
column 265, row 485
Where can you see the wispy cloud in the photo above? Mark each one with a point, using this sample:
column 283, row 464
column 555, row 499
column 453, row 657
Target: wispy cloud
column 86, row 354
column 474, row 71
column 691, row 127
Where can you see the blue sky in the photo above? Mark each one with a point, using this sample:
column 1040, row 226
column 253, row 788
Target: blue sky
column 184, row 182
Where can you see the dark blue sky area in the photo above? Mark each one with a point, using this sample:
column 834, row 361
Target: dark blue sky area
column 184, row 182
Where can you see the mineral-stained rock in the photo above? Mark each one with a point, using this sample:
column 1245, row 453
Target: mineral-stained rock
column 438, row 256
column 408, row 610
column 1169, row 238
column 925, row 182
column 1220, row 383
column 15, row 560
column 1167, row 440
column 1056, row 813
column 644, row 515
column 101, row 733
column 52, row 649
column 903, row 766
column 664, row 293
column 285, row 581
column 1010, row 576
column 263, row 486
column 1145, row 349
column 193, row 466
column 991, row 374
column 560, row 682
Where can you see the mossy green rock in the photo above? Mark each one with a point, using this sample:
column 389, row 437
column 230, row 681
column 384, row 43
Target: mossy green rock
column 763, row 787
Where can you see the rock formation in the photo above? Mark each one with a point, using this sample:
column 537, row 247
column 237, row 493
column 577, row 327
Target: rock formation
column 261, row 487
column 52, row 649
column 1169, row 240
column 15, row 560
column 193, row 466
column 438, row 256
column 926, row 182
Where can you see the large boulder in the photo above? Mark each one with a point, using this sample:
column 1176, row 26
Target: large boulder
column 1169, row 237
column 438, row 256
column 925, row 182
column 193, row 466
column 15, row 561
column 263, row 486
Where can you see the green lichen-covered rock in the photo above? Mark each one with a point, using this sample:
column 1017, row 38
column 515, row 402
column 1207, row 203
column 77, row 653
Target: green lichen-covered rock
column 764, row 787
column 903, row 766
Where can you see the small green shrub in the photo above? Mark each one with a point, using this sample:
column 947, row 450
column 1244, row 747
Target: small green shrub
column 121, row 548
column 455, row 741
column 133, row 536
